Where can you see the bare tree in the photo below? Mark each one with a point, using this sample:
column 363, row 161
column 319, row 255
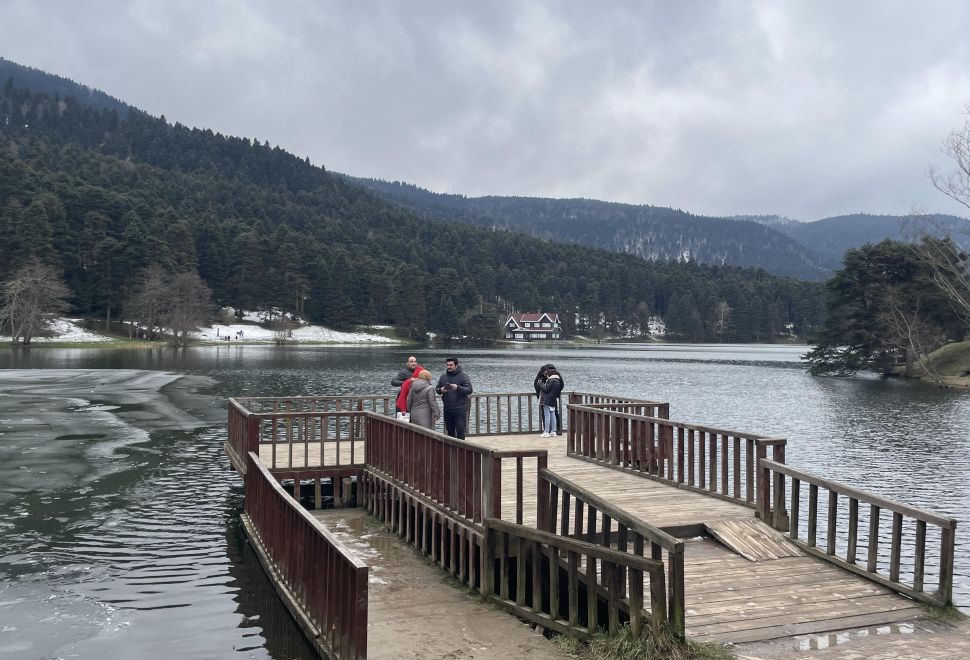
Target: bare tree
column 949, row 263
column 956, row 145
column 908, row 328
column 186, row 304
column 31, row 298
column 144, row 304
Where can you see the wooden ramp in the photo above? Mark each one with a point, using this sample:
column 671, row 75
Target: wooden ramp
column 778, row 592
column 752, row 539
column 414, row 612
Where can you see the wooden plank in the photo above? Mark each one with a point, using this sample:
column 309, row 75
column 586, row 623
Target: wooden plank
column 752, row 539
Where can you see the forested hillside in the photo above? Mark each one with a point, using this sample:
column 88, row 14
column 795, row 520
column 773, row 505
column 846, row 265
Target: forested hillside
column 650, row 232
column 102, row 197
column 832, row 237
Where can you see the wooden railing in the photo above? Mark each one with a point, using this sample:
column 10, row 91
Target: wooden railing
column 301, row 432
column 565, row 515
column 381, row 404
column 321, row 577
column 435, row 491
column 463, row 478
column 627, row 405
column 916, row 530
column 529, row 585
column 712, row 461
column 503, row 413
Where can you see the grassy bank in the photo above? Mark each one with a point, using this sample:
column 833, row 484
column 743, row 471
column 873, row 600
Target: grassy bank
column 952, row 363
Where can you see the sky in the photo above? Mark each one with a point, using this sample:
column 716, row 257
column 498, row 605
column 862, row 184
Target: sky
column 801, row 109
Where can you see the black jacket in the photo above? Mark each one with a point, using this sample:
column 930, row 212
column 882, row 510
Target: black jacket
column 402, row 376
column 454, row 398
column 541, row 380
column 550, row 390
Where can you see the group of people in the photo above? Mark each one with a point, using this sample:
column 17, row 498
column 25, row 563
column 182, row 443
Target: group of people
column 417, row 397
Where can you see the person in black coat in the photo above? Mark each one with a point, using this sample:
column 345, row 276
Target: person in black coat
column 549, row 400
column 403, row 375
column 538, row 383
column 455, row 387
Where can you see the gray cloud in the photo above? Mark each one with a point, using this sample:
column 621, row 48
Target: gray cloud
column 805, row 109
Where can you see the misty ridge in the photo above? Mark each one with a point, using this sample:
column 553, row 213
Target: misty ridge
column 781, row 246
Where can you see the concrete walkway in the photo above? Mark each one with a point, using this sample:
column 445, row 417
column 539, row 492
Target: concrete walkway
column 414, row 612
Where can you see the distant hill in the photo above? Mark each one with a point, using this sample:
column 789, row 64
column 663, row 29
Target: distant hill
column 831, row 237
column 20, row 76
column 649, row 232
column 776, row 244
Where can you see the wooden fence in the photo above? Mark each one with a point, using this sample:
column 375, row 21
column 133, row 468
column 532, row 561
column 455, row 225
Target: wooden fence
column 847, row 526
column 328, row 432
column 436, row 491
column 319, row 578
column 523, row 568
column 576, row 512
column 713, row 461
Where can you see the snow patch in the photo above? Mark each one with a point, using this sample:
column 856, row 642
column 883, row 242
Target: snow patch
column 67, row 331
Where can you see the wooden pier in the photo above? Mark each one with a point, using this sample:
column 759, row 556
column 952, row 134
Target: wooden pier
column 630, row 518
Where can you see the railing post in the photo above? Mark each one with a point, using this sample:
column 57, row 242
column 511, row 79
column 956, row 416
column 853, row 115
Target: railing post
column 252, row 434
column 542, row 494
column 764, row 494
column 947, row 548
column 487, row 583
column 676, row 601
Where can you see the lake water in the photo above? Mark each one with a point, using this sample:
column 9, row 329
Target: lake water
column 119, row 516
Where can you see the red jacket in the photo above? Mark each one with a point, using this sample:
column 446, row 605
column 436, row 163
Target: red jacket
column 402, row 397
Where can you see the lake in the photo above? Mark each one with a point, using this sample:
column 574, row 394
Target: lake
column 119, row 515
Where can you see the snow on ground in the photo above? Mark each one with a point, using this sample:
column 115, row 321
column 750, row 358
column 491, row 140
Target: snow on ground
column 67, row 331
column 309, row 333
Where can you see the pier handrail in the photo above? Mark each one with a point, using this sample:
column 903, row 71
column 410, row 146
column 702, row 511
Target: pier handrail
column 705, row 459
column 774, row 499
column 464, row 478
column 319, row 573
column 619, row 579
column 597, row 528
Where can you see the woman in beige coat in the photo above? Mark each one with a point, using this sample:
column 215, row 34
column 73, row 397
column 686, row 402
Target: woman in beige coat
column 422, row 402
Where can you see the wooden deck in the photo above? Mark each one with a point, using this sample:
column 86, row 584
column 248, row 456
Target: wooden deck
column 415, row 613
column 729, row 598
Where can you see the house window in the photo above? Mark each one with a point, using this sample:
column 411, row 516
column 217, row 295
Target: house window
column 518, row 335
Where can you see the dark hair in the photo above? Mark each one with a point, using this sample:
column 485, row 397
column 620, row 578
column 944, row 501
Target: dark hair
column 452, row 359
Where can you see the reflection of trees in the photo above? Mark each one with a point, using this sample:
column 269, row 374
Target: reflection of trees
column 262, row 611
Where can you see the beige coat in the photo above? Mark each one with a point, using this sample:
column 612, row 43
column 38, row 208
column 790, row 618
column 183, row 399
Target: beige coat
column 423, row 404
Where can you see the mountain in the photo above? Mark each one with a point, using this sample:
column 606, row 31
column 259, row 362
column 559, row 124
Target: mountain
column 779, row 245
column 102, row 196
column 649, row 232
column 17, row 75
column 831, row 237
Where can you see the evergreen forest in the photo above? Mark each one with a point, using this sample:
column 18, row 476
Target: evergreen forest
column 102, row 191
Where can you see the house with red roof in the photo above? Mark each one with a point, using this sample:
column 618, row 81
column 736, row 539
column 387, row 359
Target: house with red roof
column 533, row 326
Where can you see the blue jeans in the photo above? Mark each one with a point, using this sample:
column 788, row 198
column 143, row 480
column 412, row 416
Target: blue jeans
column 549, row 419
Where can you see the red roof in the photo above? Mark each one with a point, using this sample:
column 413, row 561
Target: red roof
column 533, row 317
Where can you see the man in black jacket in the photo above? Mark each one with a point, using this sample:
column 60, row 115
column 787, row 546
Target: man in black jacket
column 404, row 374
column 455, row 387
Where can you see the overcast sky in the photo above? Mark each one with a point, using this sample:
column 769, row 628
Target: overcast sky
column 803, row 109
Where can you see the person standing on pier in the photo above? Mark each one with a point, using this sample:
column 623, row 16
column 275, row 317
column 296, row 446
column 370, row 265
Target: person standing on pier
column 455, row 387
column 538, row 384
column 422, row 403
column 402, row 376
column 549, row 400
